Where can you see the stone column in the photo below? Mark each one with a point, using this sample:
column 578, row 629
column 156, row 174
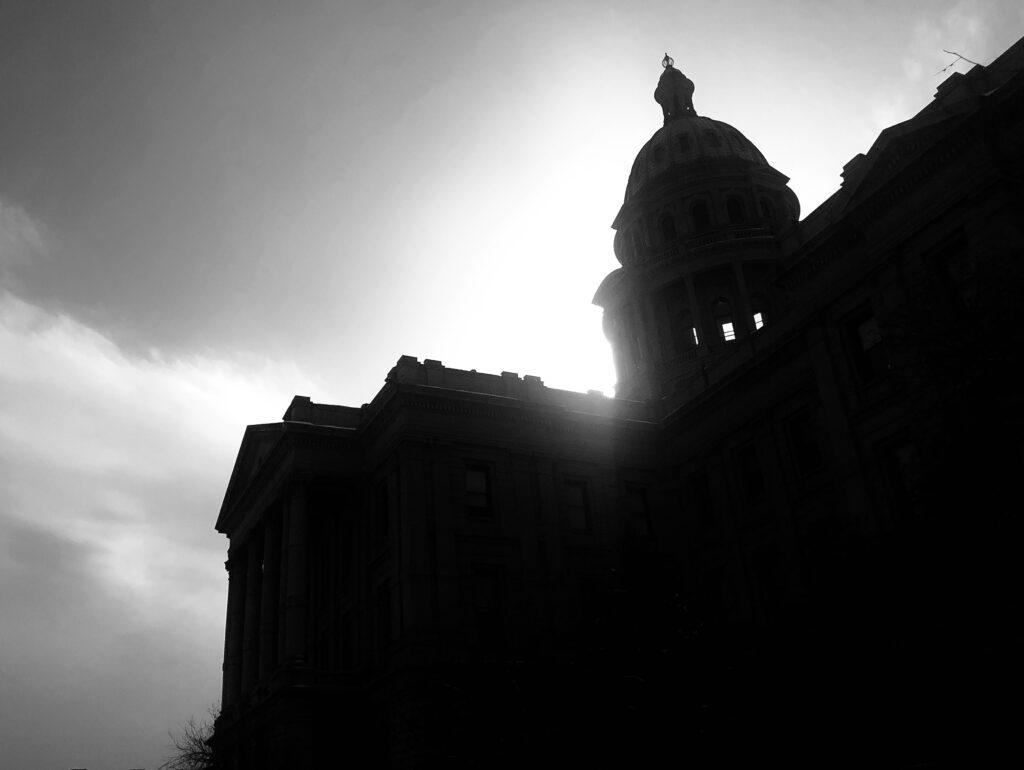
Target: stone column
column 743, row 301
column 297, row 602
column 696, row 311
column 251, row 635
column 269, row 600
column 232, row 681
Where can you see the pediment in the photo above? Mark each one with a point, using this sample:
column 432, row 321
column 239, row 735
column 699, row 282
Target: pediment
column 893, row 148
column 257, row 443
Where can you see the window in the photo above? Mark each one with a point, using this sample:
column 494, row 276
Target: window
column 478, row 490
column 684, row 143
column 723, row 318
column 900, row 465
column 759, row 306
column 701, row 216
column 867, row 350
column 734, row 209
column 767, row 210
column 668, row 228
column 575, row 503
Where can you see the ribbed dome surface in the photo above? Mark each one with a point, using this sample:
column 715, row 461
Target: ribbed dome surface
column 688, row 139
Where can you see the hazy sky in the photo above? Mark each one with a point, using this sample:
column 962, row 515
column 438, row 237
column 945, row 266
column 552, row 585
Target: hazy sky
column 207, row 207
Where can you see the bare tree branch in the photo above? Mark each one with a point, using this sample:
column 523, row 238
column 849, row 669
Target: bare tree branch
column 189, row 747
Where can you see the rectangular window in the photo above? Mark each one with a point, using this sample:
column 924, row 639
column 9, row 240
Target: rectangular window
column 478, row 490
column 900, row 463
column 728, row 332
column 758, row 321
column 574, row 499
column 867, row 348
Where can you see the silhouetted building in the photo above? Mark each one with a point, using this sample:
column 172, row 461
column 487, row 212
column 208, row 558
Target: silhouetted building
column 792, row 533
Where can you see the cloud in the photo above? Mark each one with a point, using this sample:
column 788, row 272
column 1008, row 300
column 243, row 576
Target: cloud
column 966, row 27
column 21, row 239
column 112, row 468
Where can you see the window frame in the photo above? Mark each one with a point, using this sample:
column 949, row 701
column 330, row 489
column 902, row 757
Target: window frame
column 576, row 482
column 487, row 509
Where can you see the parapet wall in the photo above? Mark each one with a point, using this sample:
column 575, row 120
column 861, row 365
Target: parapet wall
column 433, row 374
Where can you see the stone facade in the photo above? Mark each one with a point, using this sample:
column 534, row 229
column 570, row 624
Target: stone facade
column 787, row 536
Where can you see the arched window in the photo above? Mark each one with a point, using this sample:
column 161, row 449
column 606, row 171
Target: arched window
column 684, row 143
column 723, row 319
column 668, row 228
column 767, row 210
column 759, row 308
column 701, row 216
column 734, row 209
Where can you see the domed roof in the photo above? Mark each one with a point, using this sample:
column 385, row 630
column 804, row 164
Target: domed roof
column 686, row 139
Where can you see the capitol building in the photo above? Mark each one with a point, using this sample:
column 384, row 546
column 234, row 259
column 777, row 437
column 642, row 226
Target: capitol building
column 788, row 537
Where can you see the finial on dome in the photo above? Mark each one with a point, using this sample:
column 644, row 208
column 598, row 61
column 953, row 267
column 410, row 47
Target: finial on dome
column 674, row 92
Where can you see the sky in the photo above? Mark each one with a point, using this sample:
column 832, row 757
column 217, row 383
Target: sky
column 208, row 207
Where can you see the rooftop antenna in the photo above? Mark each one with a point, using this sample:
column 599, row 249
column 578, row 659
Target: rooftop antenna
column 958, row 58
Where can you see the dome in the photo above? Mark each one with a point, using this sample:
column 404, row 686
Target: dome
column 687, row 139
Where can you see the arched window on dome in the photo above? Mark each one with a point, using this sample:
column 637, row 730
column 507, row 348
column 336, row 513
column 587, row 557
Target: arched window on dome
column 767, row 211
column 722, row 314
column 735, row 210
column 701, row 216
column 668, row 228
column 684, row 143
column 759, row 308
